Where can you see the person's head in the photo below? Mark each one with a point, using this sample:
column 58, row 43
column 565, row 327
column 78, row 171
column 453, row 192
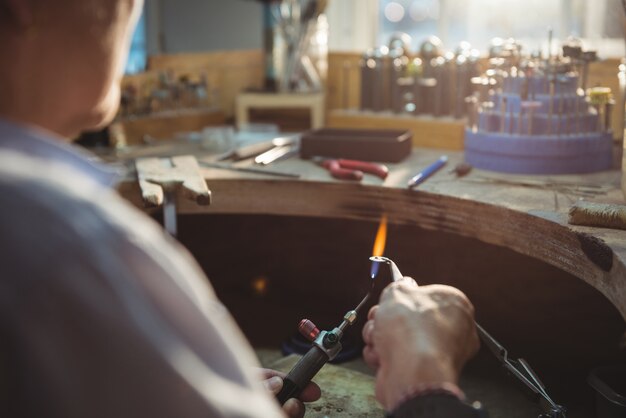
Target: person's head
column 63, row 60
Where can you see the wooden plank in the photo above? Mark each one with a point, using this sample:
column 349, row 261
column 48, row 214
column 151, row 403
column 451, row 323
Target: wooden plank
column 526, row 217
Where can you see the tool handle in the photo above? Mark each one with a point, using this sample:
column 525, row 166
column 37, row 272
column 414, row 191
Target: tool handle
column 379, row 170
column 302, row 373
column 342, row 173
column 345, row 174
column 428, row 171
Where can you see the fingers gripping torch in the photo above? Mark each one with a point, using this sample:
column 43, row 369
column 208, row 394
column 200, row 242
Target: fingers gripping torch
column 326, row 344
column 520, row 369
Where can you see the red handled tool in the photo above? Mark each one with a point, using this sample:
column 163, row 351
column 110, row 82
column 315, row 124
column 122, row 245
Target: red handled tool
column 351, row 169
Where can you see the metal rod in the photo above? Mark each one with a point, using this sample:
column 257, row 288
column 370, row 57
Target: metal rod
column 503, row 101
column 169, row 211
column 345, row 76
column 608, row 109
column 551, row 107
column 249, row 170
column 577, row 111
column 550, row 45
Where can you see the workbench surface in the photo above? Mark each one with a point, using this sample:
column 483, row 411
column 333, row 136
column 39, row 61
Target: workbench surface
column 527, row 214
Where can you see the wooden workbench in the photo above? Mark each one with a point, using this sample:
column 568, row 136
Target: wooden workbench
column 448, row 231
column 529, row 220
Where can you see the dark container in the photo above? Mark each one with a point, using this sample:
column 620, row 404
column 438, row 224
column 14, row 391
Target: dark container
column 610, row 386
column 357, row 144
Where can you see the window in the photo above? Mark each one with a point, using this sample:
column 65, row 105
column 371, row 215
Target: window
column 138, row 55
column 597, row 22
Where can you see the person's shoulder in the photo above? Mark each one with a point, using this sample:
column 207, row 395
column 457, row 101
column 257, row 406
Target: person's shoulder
column 47, row 207
column 51, row 214
column 60, row 201
column 53, row 188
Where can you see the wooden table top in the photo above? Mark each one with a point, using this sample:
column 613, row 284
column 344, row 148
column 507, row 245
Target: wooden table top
column 527, row 214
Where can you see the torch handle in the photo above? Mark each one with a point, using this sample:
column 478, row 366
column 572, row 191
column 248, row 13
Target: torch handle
column 302, row 373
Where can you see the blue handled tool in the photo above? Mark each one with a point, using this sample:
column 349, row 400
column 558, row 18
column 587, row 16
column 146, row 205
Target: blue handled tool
column 427, row 172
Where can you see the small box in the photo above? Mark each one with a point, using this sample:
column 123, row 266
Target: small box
column 610, row 386
column 357, row 144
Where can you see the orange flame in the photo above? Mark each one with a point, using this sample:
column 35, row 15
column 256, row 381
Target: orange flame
column 381, row 237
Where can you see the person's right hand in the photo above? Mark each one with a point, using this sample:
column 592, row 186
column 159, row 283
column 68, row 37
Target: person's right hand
column 418, row 336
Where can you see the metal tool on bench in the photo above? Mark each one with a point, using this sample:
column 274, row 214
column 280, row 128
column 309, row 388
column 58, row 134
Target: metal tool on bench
column 170, row 219
column 252, row 150
column 285, row 148
column 161, row 180
column 520, row 369
column 253, row 170
column 420, row 177
column 343, row 169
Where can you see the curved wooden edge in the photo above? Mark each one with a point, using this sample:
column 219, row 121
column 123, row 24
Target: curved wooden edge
column 597, row 258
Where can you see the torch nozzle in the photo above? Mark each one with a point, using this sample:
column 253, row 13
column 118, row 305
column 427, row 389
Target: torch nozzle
column 395, row 271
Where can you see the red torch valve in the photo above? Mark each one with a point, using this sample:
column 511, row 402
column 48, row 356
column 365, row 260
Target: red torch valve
column 308, row 330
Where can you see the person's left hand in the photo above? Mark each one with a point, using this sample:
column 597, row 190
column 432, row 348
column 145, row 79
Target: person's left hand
column 294, row 408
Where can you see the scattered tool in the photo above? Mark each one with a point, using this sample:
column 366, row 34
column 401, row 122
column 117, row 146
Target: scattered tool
column 248, row 151
column 567, row 188
column 351, row 169
column 420, row 177
column 602, row 101
column 598, row 214
column 162, row 179
column 285, row 149
column 461, row 169
column 253, row 170
column 272, row 155
column 520, row 369
column 252, row 150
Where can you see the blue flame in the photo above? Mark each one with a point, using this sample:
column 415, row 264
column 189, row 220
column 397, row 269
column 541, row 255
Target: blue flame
column 374, row 269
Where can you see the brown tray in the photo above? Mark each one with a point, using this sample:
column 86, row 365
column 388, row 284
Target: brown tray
column 357, row 144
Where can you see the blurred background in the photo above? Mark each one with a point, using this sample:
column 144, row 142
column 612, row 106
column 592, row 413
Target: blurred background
column 175, row 26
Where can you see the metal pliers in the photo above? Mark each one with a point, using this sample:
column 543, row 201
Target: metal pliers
column 522, row 371
column 351, row 169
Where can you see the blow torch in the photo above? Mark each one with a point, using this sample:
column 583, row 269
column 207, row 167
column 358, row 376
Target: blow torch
column 326, row 344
